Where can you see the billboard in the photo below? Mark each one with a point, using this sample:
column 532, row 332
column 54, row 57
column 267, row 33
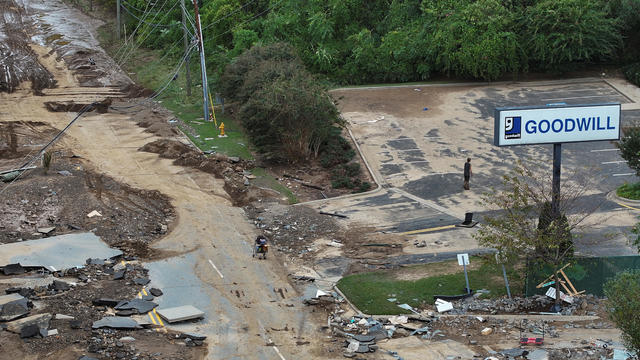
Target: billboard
column 556, row 124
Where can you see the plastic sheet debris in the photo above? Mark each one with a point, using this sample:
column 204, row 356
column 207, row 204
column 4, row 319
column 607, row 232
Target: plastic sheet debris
column 408, row 307
column 401, row 319
column 420, row 331
column 443, row 305
column 93, row 213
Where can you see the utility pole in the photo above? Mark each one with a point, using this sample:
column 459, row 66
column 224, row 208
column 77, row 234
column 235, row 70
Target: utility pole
column 202, row 62
column 119, row 25
column 186, row 47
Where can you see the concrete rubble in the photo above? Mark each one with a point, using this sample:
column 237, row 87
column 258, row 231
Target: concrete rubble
column 180, row 313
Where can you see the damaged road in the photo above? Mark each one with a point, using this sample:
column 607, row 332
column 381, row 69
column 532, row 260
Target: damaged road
column 242, row 299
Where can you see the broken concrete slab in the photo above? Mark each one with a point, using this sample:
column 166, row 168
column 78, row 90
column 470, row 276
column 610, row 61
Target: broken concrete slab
column 105, row 302
column 12, row 269
column 61, row 252
column 41, row 320
column 180, row 313
column 64, row 173
column 84, row 357
column 126, row 312
column 116, row 322
column 29, row 331
column 46, row 230
column 538, row 354
column 5, row 299
column 60, row 285
column 141, row 281
column 14, row 310
column 148, row 297
column 193, row 336
column 63, row 317
column 155, row 292
column 119, row 275
column 52, row 332
column 142, row 306
column 514, row 352
column 94, row 261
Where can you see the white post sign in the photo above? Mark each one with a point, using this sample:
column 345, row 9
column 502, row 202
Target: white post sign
column 463, row 259
column 556, row 124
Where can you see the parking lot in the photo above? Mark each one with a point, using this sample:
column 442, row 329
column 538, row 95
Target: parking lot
column 417, row 138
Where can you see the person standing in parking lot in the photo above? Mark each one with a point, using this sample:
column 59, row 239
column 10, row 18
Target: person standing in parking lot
column 467, row 173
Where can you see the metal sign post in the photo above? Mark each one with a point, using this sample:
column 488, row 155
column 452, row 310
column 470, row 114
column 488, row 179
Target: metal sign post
column 504, row 274
column 463, row 259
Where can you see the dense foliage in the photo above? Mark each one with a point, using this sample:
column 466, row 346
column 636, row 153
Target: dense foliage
column 284, row 110
column 629, row 146
column 624, row 305
column 356, row 41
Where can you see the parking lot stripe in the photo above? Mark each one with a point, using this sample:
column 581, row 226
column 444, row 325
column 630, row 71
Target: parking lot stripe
column 598, row 150
column 428, row 230
column 614, row 162
column 625, row 174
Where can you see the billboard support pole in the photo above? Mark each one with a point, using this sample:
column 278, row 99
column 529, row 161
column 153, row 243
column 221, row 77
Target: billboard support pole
column 555, row 185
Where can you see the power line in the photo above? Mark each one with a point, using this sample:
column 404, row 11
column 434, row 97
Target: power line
column 146, row 22
column 139, row 43
column 44, row 148
column 246, row 21
column 165, row 86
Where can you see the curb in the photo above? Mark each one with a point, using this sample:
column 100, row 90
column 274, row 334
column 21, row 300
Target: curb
column 484, row 83
column 349, row 196
column 622, row 201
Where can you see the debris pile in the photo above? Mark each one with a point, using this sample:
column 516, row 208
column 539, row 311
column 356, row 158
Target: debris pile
column 96, row 306
column 291, row 229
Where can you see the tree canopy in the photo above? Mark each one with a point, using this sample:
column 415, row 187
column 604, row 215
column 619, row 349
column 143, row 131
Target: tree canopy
column 356, row 41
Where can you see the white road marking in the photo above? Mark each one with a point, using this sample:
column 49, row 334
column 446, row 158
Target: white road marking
column 614, row 162
column 216, row 269
column 269, row 341
column 604, row 150
column 625, row 174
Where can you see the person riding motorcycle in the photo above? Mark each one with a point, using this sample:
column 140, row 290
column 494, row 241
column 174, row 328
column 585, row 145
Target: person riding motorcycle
column 261, row 244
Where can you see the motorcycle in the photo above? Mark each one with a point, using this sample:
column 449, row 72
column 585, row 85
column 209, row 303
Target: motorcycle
column 261, row 251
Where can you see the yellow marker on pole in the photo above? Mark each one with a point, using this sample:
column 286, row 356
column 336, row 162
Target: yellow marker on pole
column 221, row 127
column 213, row 112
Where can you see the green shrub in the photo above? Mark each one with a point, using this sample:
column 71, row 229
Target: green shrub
column 632, row 72
column 624, row 306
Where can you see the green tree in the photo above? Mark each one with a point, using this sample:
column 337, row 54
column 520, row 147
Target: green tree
column 286, row 112
column 562, row 32
column 524, row 226
column 473, row 38
column 629, row 146
column 624, row 306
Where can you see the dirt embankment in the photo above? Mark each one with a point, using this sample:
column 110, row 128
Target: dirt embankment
column 63, row 196
column 18, row 62
column 233, row 170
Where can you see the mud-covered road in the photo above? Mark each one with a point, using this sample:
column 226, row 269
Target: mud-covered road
column 252, row 312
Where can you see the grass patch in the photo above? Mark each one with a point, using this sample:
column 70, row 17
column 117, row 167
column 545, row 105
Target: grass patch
column 370, row 291
column 153, row 70
column 264, row 179
column 629, row 191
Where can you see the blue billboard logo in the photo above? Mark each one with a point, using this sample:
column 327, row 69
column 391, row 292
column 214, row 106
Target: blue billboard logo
column 512, row 125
